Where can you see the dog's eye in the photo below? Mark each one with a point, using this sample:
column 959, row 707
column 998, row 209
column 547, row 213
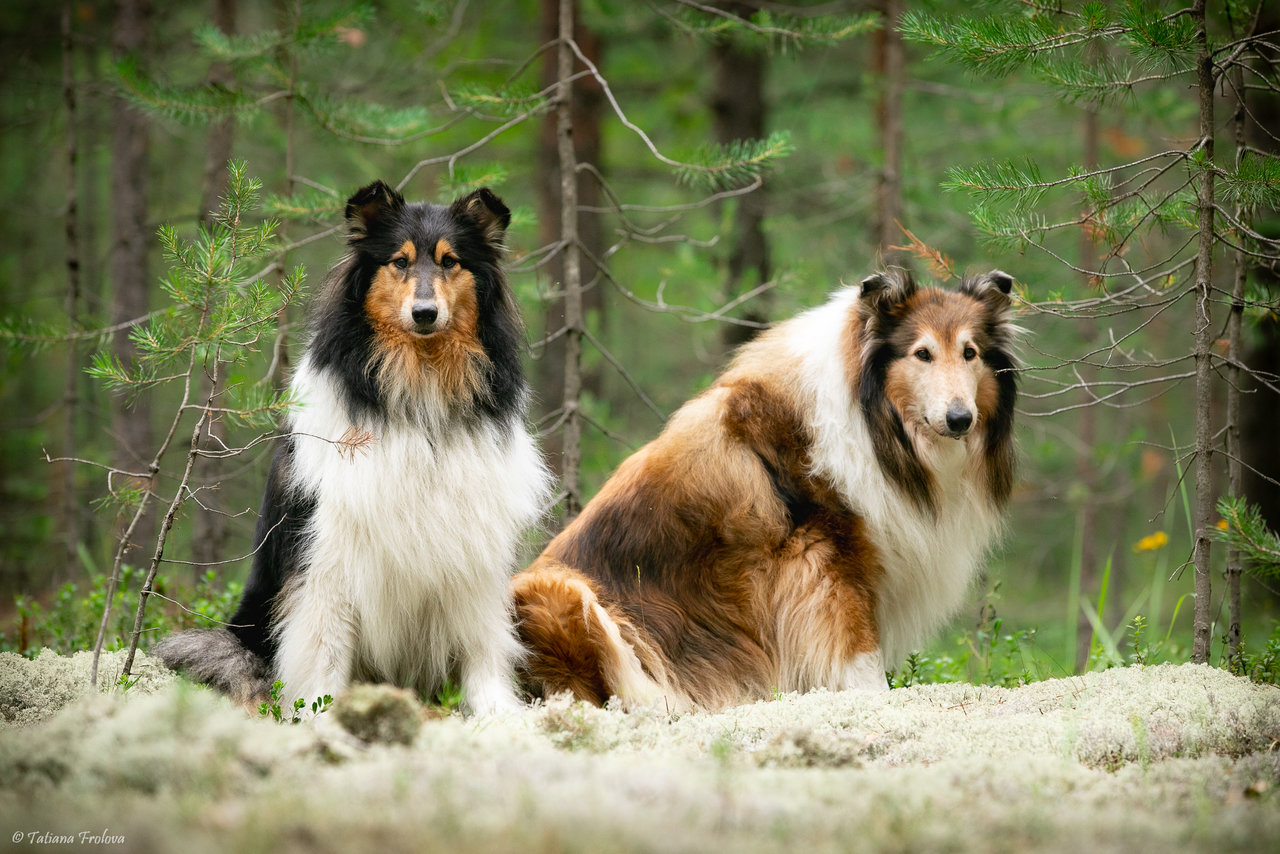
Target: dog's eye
column 448, row 262
column 923, row 355
column 400, row 263
column 970, row 354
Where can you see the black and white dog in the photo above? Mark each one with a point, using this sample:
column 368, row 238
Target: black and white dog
column 396, row 505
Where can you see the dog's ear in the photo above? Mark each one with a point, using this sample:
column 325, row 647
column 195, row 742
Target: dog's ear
column 993, row 288
column 881, row 291
column 486, row 210
column 370, row 205
column 998, row 279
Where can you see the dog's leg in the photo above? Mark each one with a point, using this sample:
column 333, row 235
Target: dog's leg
column 864, row 672
column 316, row 636
column 488, row 661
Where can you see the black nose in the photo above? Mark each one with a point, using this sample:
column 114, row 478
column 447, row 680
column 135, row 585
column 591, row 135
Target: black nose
column 959, row 419
column 425, row 314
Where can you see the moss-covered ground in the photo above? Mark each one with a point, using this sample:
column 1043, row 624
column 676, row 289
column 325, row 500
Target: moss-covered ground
column 1164, row 758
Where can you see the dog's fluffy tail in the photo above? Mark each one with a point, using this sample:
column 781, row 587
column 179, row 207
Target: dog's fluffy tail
column 576, row 644
column 217, row 658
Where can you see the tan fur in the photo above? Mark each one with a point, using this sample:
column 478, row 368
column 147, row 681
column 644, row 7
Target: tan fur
column 450, row 359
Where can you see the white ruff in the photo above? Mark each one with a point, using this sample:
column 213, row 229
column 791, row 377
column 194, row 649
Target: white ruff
column 928, row 563
column 414, row 538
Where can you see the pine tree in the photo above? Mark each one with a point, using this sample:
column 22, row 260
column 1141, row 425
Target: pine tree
column 219, row 314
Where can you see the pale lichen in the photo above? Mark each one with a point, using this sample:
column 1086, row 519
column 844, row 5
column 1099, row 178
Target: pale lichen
column 1176, row 759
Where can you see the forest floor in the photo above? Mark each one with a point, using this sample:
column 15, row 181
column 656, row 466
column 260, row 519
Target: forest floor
column 1168, row 758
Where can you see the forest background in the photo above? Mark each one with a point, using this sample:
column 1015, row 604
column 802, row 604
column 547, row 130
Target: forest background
column 735, row 164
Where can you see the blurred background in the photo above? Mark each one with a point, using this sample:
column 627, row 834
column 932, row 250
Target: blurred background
column 118, row 118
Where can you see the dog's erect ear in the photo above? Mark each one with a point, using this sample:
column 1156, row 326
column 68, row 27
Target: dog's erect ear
column 883, row 290
column 995, row 286
column 998, row 279
column 487, row 211
column 370, row 205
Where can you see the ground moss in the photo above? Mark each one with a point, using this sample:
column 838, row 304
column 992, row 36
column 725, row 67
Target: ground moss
column 1167, row 758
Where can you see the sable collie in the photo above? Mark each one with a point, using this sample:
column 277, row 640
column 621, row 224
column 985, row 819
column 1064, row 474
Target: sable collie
column 396, row 504
column 809, row 519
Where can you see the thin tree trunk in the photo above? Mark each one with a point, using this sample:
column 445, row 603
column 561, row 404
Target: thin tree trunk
column 1203, row 469
column 890, row 67
column 587, row 113
column 738, row 111
column 290, row 12
column 211, row 531
column 130, row 234
column 1088, row 424
column 71, row 404
column 572, row 432
column 1235, row 376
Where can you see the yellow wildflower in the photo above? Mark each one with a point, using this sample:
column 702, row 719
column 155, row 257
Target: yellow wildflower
column 1151, row 542
column 1222, row 525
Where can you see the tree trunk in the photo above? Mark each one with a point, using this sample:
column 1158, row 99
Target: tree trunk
column 210, row 522
column 738, row 113
column 890, row 68
column 290, row 17
column 1087, row 426
column 586, row 113
column 571, row 449
column 1236, row 376
column 130, row 237
column 71, row 406
column 1202, row 473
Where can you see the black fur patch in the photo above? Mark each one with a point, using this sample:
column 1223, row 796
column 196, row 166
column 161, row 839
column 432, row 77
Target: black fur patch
column 992, row 290
column 279, row 541
column 883, row 308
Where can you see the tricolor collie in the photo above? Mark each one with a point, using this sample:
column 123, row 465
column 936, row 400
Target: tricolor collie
column 805, row 522
column 396, row 504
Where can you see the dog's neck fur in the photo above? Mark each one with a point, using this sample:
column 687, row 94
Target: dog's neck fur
column 929, row 560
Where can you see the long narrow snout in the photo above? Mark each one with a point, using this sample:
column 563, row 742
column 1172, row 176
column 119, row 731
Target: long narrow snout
column 425, row 315
column 959, row 419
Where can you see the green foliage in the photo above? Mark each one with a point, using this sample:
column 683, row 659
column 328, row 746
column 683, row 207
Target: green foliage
column 770, row 30
column 716, row 167
column 449, row 697
column 1263, row 665
column 1256, row 184
column 69, row 622
column 194, row 105
column 1053, row 39
column 273, row 707
column 509, row 100
column 1246, row 531
column 1085, row 53
column 989, row 655
column 220, row 312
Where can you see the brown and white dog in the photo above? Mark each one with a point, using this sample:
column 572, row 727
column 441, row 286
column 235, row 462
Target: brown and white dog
column 805, row 522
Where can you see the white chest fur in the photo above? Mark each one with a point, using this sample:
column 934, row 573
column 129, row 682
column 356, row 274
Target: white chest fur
column 414, row 536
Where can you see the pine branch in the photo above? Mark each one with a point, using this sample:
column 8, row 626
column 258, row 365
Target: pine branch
column 221, row 46
column 361, row 121
column 769, row 30
column 1254, row 185
column 1022, row 187
column 188, row 105
column 505, row 101
column 313, row 205
column 1246, row 531
column 717, row 167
